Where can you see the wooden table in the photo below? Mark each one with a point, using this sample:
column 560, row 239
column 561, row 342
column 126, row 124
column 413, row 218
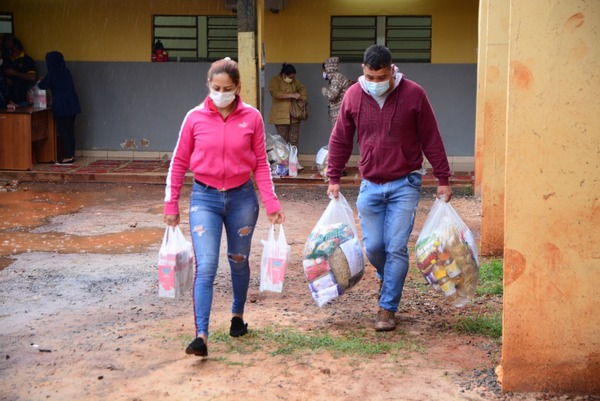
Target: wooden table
column 27, row 136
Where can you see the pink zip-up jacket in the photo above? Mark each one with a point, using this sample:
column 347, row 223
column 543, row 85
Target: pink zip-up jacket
column 221, row 153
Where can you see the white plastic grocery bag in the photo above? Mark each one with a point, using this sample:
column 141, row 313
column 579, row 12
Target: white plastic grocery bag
column 175, row 264
column 39, row 97
column 293, row 161
column 275, row 257
column 333, row 259
column 447, row 255
column 278, row 153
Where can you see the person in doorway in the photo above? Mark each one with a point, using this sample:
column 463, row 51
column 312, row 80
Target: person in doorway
column 337, row 86
column 65, row 102
column 3, row 87
column 21, row 75
column 284, row 87
column 7, row 42
column 395, row 125
column 222, row 141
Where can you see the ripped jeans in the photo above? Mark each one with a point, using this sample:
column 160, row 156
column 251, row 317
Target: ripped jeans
column 210, row 210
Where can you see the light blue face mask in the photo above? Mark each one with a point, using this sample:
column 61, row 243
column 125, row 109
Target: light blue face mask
column 377, row 88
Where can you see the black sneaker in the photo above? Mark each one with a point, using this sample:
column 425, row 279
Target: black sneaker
column 238, row 327
column 197, row 347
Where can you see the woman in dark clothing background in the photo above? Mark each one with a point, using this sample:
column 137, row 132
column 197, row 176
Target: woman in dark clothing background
column 65, row 102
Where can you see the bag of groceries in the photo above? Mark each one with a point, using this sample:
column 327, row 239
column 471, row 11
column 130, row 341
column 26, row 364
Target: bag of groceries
column 175, row 264
column 278, row 153
column 447, row 255
column 333, row 259
column 275, row 257
column 322, row 161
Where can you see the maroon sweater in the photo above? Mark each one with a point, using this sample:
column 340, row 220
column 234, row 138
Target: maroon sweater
column 392, row 140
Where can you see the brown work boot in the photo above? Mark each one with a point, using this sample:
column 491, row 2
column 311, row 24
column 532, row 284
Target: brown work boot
column 386, row 320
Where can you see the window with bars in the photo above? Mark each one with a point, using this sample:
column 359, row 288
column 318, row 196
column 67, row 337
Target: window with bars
column 6, row 23
column 196, row 38
column 407, row 37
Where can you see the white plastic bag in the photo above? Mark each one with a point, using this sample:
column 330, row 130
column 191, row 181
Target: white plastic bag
column 447, row 255
column 322, row 162
column 293, row 161
column 278, row 154
column 39, row 97
column 333, row 260
column 274, row 261
column 175, row 264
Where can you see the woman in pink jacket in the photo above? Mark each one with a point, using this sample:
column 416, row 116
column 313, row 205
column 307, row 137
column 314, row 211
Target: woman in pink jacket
column 222, row 141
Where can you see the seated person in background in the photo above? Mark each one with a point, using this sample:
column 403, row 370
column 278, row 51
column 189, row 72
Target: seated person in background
column 20, row 73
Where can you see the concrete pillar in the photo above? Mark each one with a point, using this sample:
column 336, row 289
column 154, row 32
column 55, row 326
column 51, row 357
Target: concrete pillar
column 480, row 97
column 247, row 55
column 551, row 324
column 491, row 122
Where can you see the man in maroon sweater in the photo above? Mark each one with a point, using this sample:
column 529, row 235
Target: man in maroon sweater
column 396, row 127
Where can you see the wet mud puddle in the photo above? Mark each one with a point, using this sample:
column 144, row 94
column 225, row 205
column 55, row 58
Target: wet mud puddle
column 78, row 222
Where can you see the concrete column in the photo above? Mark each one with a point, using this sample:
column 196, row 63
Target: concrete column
column 480, row 97
column 491, row 122
column 247, row 55
column 551, row 327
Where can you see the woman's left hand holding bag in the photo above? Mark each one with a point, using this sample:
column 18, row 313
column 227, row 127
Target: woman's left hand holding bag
column 171, row 219
column 277, row 217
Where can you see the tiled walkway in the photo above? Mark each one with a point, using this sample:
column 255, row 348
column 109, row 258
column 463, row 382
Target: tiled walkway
column 108, row 166
column 155, row 172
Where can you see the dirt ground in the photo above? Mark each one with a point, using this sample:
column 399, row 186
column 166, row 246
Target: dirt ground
column 80, row 318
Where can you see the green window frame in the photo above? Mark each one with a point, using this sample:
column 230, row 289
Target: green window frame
column 196, row 37
column 6, row 23
column 407, row 37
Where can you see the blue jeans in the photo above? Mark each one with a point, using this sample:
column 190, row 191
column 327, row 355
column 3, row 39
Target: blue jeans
column 210, row 210
column 387, row 215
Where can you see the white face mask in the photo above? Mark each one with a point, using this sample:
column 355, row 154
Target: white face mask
column 287, row 80
column 222, row 99
column 377, row 88
column 324, row 75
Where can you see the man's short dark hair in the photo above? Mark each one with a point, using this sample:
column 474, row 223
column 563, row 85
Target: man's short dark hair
column 377, row 57
column 17, row 44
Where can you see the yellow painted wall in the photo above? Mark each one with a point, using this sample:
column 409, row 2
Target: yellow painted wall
column 551, row 326
column 454, row 27
column 97, row 30
column 121, row 30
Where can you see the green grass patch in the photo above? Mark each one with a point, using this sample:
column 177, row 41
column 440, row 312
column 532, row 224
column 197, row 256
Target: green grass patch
column 287, row 341
column 491, row 278
column 489, row 325
column 184, row 339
